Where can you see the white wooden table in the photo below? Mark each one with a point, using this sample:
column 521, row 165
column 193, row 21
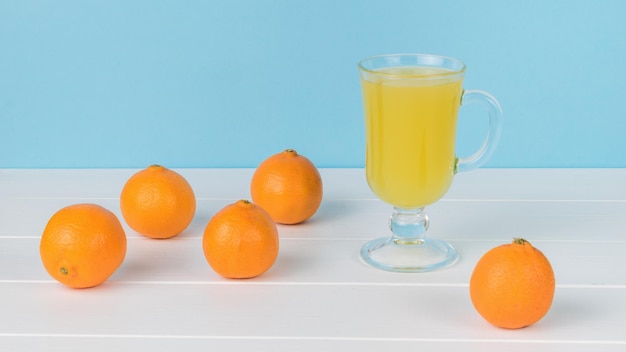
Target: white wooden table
column 319, row 296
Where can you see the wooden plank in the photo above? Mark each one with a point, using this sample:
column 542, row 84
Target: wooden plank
column 298, row 312
column 121, row 343
column 312, row 261
column 365, row 219
column 518, row 184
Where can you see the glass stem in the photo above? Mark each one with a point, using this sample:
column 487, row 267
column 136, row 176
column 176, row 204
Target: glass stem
column 408, row 226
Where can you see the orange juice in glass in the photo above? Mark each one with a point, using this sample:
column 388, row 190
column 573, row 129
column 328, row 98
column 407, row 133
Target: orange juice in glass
column 411, row 102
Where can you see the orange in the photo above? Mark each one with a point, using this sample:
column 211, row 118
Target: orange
column 288, row 186
column 512, row 285
column 82, row 245
column 157, row 202
column 240, row 241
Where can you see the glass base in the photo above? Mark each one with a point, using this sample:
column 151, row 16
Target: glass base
column 417, row 256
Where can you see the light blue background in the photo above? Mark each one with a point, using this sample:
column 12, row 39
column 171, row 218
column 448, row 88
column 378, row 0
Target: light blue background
column 122, row 83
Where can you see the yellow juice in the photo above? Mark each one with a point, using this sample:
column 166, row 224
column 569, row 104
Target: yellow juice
column 410, row 128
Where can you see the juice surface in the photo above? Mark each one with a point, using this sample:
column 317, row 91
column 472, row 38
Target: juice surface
column 410, row 126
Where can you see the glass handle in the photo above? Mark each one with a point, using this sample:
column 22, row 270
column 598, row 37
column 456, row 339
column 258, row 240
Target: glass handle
column 494, row 110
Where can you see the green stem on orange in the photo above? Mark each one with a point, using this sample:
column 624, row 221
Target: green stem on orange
column 519, row 240
column 64, row 270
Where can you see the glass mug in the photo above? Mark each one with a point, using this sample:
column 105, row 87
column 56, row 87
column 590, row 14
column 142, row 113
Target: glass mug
column 411, row 103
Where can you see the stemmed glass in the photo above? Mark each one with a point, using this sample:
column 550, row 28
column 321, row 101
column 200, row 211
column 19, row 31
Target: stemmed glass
column 411, row 103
